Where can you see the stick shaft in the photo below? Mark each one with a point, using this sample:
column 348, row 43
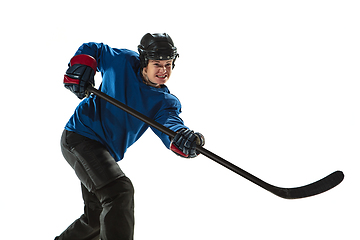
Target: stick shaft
column 317, row 187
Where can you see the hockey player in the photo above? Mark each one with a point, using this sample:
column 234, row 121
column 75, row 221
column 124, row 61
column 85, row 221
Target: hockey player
column 98, row 134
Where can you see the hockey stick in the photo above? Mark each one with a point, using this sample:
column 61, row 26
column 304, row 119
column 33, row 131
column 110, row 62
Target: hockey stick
column 312, row 189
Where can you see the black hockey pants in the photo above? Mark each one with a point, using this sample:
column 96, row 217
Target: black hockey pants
column 108, row 194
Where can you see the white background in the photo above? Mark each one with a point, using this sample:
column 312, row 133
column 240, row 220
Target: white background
column 273, row 86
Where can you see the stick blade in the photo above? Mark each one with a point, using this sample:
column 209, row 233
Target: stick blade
column 312, row 189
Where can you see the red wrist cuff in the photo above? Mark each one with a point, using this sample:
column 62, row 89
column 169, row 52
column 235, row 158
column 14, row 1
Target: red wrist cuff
column 84, row 60
column 177, row 150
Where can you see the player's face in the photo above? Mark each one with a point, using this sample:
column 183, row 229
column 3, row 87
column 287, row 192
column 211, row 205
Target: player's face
column 158, row 71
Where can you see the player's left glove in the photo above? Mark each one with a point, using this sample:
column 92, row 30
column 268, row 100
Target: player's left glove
column 185, row 142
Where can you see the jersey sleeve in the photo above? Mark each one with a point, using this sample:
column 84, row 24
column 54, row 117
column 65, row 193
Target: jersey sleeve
column 100, row 51
column 169, row 118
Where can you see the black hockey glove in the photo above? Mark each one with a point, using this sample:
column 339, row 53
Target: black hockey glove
column 80, row 75
column 185, row 142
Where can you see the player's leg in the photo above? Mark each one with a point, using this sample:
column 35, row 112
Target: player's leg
column 88, row 225
column 98, row 172
column 117, row 216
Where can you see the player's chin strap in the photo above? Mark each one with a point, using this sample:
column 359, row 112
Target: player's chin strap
column 312, row 189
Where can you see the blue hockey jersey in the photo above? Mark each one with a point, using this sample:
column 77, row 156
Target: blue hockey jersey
column 117, row 130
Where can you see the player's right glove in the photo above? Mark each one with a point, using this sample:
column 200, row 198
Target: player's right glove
column 80, row 75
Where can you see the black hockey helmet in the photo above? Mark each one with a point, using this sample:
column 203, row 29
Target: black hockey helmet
column 157, row 46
